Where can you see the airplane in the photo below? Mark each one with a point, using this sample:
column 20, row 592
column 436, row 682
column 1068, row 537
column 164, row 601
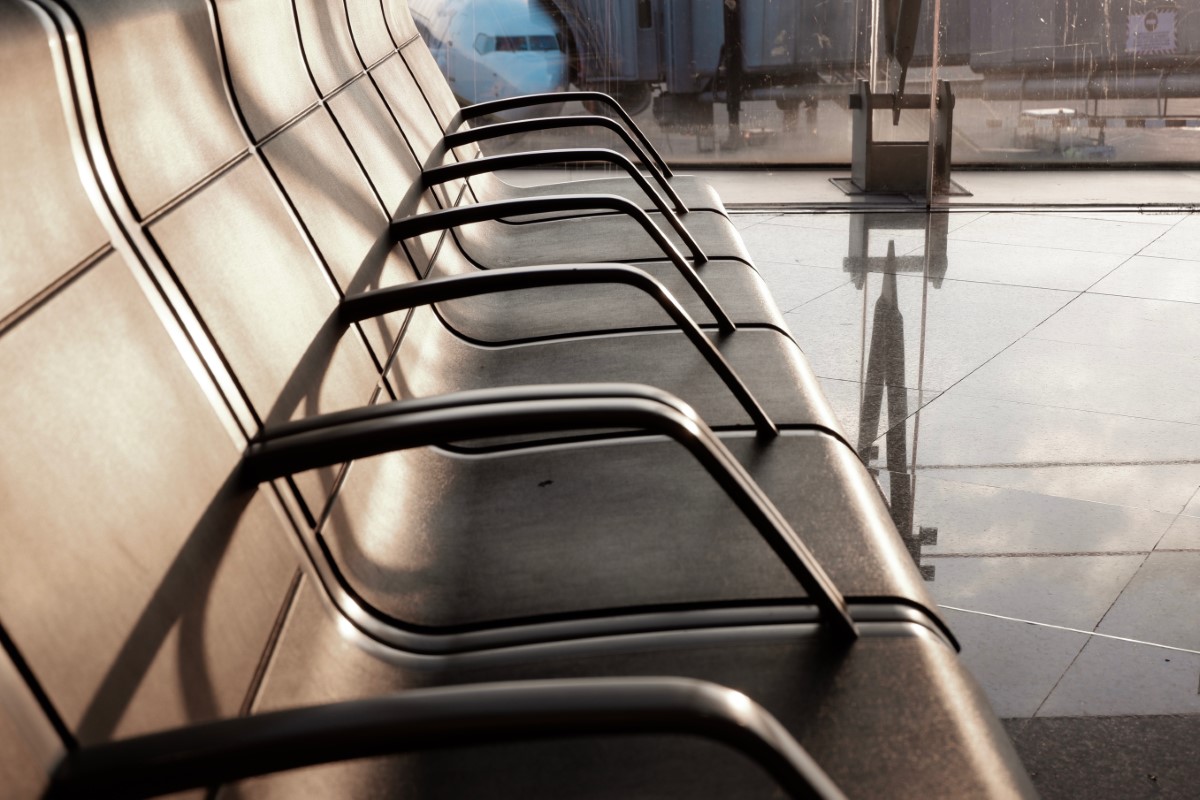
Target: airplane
column 489, row 49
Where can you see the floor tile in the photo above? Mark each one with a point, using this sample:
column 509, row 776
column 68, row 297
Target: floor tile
column 837, row 221
column 968, row 519
column 1058, row 452
column 744, row 221
column 848, row 397
column 1126, row 322
column 1071, row 591
column 1068, row 517
column 1160, row 604
column 793, row 285
column 1110, row 758
column 840, row 221
column 1116, row 678
column 817, row 247
column 1155, row 277
column 960, row 218
column 1062, row 233
column 1193, row 507
column 962, row 328
column 1018, row 664
column 1076, row 187
column 1184, row 534
column 784, row 187
column 1092, row 378
column 1181, row 242
column 813, row 247
column 1019, row 265
column 1117, row 215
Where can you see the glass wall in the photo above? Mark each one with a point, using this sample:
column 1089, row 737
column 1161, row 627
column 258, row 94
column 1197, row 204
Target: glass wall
column 732, row 82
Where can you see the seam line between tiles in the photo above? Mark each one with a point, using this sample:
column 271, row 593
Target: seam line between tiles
column 987, row 361
column 1075, row 408
column 818, row 297
column 1096, row 634
column 967, row 482
column 1138, row 296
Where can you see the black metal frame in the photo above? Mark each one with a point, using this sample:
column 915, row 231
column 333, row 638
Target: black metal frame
column 222, row 752
column 490, row 211
column 344, row 436
column 525, row 101
column 436, row 290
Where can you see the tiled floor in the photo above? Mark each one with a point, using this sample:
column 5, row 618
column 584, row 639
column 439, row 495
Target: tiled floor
column 1026, row 387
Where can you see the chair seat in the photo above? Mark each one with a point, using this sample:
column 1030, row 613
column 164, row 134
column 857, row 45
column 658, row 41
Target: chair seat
column 437, row 538
column 893, row 715
column 432, row 360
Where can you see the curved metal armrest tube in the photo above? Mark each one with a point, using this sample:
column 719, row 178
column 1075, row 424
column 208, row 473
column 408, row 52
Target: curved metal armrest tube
column 525, row 101
column 389, row 427
column 424, row 719
column 420, row 224
column 535, row 158
column 498, row 130
column 436, row 290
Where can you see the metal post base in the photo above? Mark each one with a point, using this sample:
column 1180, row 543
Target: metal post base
column 901, row 167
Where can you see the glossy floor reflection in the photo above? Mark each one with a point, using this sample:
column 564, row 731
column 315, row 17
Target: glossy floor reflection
column 1026, row 388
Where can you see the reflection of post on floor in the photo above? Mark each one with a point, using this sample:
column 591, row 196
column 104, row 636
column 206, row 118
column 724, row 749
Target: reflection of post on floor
column 884, row 376
column 859, row 262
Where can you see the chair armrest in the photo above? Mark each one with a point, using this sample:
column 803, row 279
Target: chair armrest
column 221, row 752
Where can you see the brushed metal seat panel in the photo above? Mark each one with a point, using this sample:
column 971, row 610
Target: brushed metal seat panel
column 48, row 223
column 331, row 194
column 159, row 89
column 421, row 131
column 432, row 87
column 139, row 590
column 399, row 20
column 325, row 36
column 376, row 140
column 262, row 50
column 434, row 538
column 369, row 30
column 892, row 716
column 431, row 361
column 268, row 305
column 264, row 297
column 20, row 773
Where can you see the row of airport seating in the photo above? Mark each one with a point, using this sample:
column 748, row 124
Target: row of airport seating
column 336, row 466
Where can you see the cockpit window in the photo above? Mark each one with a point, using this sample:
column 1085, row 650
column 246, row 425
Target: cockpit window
column 543, row 44
column 484, row 44
column 511, row 44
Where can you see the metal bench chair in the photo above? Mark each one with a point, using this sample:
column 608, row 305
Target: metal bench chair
column 174, row 345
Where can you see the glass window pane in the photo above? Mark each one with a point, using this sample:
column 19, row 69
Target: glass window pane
column 768, row 82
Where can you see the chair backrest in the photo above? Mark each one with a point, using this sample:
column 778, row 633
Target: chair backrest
column 139, row 588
